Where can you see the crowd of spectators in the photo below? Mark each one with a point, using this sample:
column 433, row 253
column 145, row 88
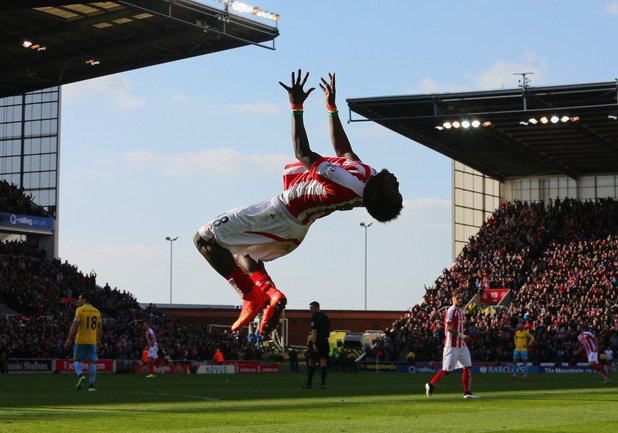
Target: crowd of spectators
column 43, row 292
column 13, row 199
column 560, row 261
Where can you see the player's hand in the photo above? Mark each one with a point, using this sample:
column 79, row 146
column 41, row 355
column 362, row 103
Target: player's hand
column 296, row 93
column 67, row 344
column 328, row 89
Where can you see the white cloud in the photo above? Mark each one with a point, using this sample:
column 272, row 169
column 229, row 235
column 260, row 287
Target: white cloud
column 611, row 8
column 500, row 74
column 427, row 212
column 428, row 85
column 114, row 89
column 207, row 162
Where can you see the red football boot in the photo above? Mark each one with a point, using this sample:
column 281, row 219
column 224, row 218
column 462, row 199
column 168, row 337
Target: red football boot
column 254, row 301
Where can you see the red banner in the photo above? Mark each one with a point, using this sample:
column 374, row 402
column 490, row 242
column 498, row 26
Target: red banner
column 493, row 296
column 66, row 365
column 253, row 367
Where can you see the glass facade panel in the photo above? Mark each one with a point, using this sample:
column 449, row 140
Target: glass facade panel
column 475, row 197
column 29, row 126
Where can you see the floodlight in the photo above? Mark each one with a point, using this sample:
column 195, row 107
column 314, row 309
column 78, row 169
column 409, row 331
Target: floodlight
column 439, row 127
column 533, row 121
column 476, row 123
column 456, row 124
column 486, row 124
column 544, row 120
column 555, row 119
column 612, row 116
column 564, row 119
column 575, row 119
column 523, row 123
column 26, row 44
column 447, row 125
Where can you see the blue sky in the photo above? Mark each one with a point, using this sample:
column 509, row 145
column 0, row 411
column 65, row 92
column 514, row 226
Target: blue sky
column 163, row 150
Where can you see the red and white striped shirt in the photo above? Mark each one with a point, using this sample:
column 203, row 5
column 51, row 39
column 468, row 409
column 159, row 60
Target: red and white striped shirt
column 331, row 184
column 455, row 316
column 151, row 338
column 586, row 339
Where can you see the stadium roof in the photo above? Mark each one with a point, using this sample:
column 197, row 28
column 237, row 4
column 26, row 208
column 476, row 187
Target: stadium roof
column 510, row 145
column 77, row 41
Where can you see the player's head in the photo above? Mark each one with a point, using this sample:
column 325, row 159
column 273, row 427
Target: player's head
column 83, row 299
column 146, row 324
column 382, row 198
column 520, row 324
column 314, row 306
column 457, row 297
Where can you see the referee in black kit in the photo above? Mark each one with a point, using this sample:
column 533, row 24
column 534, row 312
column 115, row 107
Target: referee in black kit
column 318, row 347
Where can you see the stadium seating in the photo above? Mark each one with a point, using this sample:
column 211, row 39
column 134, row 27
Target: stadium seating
column 559, row 261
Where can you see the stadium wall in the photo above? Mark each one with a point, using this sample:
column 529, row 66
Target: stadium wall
column 298, row 320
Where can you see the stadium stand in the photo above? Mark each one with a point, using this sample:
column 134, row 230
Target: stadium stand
column 560, row 262
column 14, row 200
column 39, row 298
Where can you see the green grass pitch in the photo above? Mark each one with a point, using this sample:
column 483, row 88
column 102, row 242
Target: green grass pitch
column 353, row 402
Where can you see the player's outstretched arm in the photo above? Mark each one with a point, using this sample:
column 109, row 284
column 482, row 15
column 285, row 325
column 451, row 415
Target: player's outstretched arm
column 338, row 137
column 297, row 96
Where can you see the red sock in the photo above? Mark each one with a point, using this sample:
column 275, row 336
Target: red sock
column 263, row 281
column 466, row 379
column 239, row 280
column 438, row 377
column 600, row 369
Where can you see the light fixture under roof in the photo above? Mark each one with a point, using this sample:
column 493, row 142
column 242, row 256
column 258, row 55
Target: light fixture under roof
column 544, row 120
column 247, row 8
column 458, row 123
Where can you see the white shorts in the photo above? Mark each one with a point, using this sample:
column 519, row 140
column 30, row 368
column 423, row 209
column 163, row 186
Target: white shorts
column 593, row 357
column 265, row 231
column 456, row 357
column 153, row 352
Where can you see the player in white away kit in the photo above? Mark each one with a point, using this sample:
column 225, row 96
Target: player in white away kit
column 588, row 342
column 456, row 353
column 153, row 349
column 237, row 242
